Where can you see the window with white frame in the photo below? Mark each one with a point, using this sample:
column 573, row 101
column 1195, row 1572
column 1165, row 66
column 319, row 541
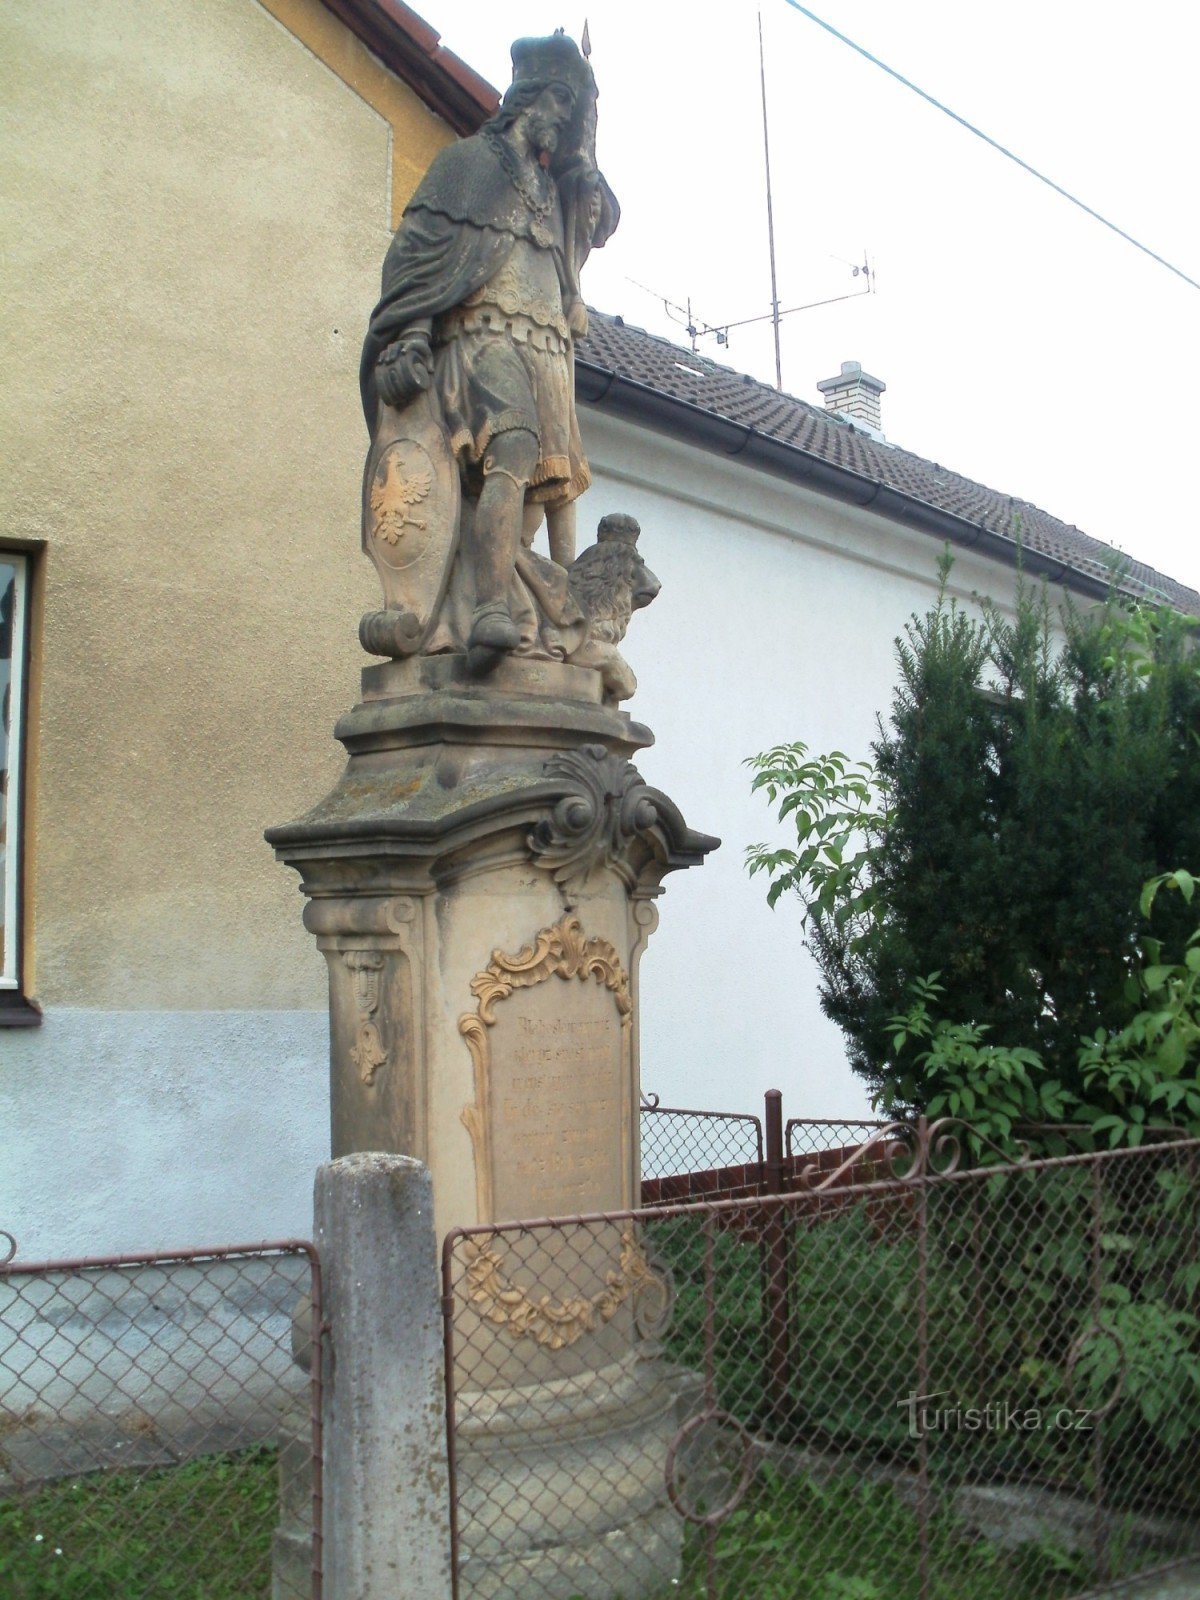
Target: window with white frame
column 14, row 612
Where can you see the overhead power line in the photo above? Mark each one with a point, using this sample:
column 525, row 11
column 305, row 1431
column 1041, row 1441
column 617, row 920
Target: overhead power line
column 995, row 143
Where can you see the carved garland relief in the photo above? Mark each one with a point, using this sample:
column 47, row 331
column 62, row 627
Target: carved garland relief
column 368, row 1052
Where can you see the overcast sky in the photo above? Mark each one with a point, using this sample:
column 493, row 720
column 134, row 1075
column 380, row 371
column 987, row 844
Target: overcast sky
column 1021, row 343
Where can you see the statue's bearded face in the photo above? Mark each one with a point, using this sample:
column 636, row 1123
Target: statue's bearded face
column 547, row 116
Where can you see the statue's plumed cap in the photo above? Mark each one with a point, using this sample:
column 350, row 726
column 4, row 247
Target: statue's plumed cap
column 553, row 60
column 618, row 525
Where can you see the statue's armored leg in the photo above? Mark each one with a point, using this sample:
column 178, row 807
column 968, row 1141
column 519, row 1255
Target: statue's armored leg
column 499, row 519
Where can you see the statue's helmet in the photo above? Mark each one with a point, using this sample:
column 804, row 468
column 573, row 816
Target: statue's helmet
column 557, row 59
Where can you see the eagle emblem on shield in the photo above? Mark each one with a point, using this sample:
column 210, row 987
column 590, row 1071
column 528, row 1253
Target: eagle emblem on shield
column 396, row 494
column 410, row 517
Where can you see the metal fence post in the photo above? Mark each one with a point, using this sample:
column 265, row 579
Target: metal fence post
column 773, row 1127
column 924, row 1501
column 1100, row 1542
column 776, row 1266
column 316, row 1402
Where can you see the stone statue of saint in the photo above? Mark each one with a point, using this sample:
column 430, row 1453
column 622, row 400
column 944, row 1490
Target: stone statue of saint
column 468, row 380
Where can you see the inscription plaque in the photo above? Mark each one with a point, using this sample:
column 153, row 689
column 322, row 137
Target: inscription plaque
column 550, row 1043
column 556, row 1102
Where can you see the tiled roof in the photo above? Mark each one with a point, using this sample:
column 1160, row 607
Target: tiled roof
column 714, row 391
column 413, row 50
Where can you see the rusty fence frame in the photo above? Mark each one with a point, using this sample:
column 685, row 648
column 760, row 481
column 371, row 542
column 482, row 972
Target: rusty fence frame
column 931, row 1154
column 1023, row 1133
column 650, row 1105
column 870, row 1125
column 701, row 1176
column 775, row 1170
column 11, row 1267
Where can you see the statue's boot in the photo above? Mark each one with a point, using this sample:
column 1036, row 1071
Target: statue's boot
column 493, row 634
column 495, row 540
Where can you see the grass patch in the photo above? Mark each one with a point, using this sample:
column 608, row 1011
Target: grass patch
column 852, row 1326
column 854, row 1350
column 201, row 1531
column 854, row 1541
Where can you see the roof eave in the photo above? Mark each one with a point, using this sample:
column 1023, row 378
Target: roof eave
column 410, row 48
column 693, row 424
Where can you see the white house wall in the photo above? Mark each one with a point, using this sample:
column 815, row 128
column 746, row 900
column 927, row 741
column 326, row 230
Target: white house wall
column 142, row 1130
column 196, row 208
column 776, row 621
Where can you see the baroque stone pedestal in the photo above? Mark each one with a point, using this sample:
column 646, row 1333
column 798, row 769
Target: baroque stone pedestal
column 482, row 882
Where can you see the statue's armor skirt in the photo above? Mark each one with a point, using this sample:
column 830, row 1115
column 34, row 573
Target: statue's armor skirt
column 504, row 363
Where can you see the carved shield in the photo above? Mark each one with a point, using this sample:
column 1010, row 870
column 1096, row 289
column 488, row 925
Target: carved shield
column 411, row 502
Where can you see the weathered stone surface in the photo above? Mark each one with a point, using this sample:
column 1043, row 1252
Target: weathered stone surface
column 468, row 393
column 469, row 821
column 554, row 1154
column 585, row 1461
column 387, row 1530
column 481, row 882
column 550, row 1042
column 610, row 580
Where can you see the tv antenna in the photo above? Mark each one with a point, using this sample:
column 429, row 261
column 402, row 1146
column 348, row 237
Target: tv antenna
column 697, row 327
column 775, row 318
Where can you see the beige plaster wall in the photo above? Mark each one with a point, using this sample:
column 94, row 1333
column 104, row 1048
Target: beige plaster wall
column 195, row 208
column 418, row 134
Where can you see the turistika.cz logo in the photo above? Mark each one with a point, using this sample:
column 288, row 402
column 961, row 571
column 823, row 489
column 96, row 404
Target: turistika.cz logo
column 925, row 1416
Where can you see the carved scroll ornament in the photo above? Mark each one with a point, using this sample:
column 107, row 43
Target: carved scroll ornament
column 561, row 951
column 550, row 1323
column 606, row 805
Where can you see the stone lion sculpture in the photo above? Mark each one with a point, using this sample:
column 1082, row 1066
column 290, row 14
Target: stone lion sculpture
column 609, row 582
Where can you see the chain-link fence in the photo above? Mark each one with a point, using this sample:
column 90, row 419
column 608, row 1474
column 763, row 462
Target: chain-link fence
column 143, row 1399
column 827, row 1140
column 698, row 1154
column 984, row 1381
column 702, row 1155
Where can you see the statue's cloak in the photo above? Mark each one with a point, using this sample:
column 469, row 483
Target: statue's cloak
column 457, row 231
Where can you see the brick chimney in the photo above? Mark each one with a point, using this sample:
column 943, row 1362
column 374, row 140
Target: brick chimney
column 854, row 394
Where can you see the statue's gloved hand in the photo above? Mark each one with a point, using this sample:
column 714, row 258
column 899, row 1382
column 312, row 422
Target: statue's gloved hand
column 405, row 368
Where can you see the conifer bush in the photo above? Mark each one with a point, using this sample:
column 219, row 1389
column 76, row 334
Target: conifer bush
column 978, row 892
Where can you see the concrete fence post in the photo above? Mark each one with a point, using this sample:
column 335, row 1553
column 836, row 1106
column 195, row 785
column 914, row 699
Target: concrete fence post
column 387, row 1490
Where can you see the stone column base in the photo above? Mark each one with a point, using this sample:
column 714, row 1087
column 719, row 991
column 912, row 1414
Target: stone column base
column 633, row 1562
column 561, row 1499
column 291, row 1547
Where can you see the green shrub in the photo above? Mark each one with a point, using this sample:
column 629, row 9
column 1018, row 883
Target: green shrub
column 993, row 850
